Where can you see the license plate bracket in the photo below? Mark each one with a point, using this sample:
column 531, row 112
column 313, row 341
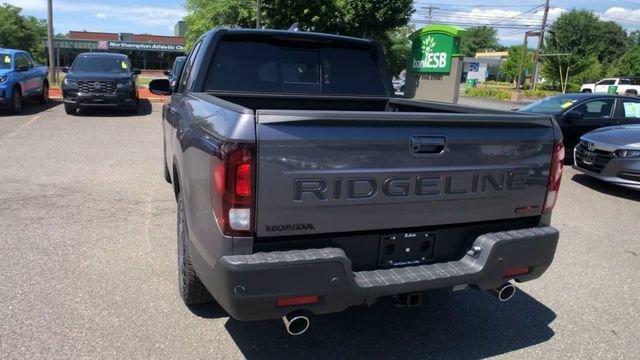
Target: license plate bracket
column 408, row 248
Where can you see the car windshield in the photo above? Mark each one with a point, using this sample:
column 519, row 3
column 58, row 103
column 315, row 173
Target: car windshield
column 5, row 61
column 551, row 105
column 107, row 64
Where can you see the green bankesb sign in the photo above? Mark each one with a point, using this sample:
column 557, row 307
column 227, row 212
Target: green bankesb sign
column 433, row 47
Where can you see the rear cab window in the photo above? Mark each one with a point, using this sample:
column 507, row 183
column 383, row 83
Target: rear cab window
column 268, row 65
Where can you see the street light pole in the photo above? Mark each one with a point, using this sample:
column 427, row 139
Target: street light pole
column 52, row 63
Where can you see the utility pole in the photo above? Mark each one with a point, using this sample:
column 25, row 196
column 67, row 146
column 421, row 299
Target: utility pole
column 430, row 8
column 523, row 54
column 257, row 14
column 536, row 60
column 52, row 62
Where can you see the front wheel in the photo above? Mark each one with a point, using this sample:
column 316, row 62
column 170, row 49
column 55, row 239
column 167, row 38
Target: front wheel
column 70, row 109
column 16, row 102
column 191, row 289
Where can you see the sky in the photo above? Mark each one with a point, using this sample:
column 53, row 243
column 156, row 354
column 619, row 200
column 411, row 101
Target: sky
column 159, row 16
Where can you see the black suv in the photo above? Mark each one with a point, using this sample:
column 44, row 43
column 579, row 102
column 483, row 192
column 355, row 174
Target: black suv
column 100, row 80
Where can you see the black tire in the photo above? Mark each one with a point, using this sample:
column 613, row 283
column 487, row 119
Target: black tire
column 191, row 289
column 70, row 109
column 133, row 110
column 16, row 102
column 167, row 175
column 586, row 91
column 44, row 95
column 631, row 93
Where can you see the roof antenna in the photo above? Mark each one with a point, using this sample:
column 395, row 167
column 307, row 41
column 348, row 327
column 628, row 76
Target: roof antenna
column 294, row 27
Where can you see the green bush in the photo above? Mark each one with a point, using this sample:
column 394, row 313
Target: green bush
column 539, row 93
column 501, row 83
column 489, row 93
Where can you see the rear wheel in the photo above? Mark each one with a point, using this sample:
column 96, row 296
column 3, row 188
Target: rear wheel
column 70, row 109
column 44, row 96
column 191, row 289
column 16, row 102
column 586, row 91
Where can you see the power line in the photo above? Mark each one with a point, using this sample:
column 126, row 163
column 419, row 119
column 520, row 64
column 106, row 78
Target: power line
column 522, row 13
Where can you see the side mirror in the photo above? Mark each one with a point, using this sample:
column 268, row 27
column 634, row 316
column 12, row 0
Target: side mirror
column 136, row 72
column 22, row 68
column 573, row 115
column 65, row 69
column 167, row 72
column 160, row 87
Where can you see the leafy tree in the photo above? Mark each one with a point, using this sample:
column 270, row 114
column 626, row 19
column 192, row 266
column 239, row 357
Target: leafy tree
column 372, row 18
column 633, row 38
column 580, row 34
column 22, row 32
column 477, row 39
column 592, row 73
column 613, row 40
column 203, row 15
column 397, row 48
column 511, row 65
column 311, row 15
column 628, row 64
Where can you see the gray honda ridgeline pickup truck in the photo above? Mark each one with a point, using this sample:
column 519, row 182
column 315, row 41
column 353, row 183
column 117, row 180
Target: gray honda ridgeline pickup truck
column 304, row 186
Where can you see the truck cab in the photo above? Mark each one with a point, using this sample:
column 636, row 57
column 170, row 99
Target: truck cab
column 21, row 78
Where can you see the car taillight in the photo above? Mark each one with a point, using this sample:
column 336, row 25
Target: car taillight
column 232, row 179
column 555, row 175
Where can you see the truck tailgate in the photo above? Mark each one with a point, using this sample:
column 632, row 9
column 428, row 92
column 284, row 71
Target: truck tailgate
column 330, row 172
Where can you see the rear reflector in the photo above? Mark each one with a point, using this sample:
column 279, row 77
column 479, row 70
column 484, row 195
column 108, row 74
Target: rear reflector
column 515, row 271
column 297, row 300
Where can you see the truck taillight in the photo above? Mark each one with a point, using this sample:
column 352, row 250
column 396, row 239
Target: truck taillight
column 555, row 175
column 232, row 195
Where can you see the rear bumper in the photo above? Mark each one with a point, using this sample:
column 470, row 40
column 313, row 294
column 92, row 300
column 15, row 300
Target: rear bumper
column 247, row 286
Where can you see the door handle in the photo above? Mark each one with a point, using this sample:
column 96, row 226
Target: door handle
column 428, row 145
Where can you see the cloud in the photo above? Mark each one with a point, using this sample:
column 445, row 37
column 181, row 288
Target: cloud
column 101, row 15
column 148, row 15
column 629, row 18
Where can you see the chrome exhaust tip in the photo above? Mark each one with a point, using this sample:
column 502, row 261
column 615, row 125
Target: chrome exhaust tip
column 504, row 292
column 296, row 323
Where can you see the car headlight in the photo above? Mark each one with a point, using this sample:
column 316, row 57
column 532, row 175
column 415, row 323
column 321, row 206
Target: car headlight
column 70, row 82
column 625, row 154
column 3, row 79
column 125, row 84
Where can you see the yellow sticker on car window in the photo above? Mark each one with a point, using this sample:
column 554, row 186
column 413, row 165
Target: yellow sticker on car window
column 123, row 64
column 566, row 104
column 7, row 59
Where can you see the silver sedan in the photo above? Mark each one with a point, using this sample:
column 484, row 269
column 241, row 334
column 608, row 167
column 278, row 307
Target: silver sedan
column 611, row 154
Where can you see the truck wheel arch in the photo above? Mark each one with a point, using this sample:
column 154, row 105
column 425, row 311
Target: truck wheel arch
column 176, row 181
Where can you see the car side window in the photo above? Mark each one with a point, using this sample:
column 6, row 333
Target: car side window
column 624, row 82
column 601, row 108
column 606, row 82
column 184, row 79
column 23, row 60
column 631, row 109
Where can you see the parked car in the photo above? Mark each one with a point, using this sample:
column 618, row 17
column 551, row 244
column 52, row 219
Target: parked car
column 100, row 80
column 303, row 185
column 21, row 78
column 623, row 86
column 577, row 114
column 176, row 70
column 611, row 154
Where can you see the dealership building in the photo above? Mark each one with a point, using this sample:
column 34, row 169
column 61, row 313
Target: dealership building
column 147, row 52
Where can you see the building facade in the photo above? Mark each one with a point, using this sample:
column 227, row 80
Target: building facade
column 147, row 52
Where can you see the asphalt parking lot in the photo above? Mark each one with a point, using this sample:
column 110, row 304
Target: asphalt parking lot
column 88, row 267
